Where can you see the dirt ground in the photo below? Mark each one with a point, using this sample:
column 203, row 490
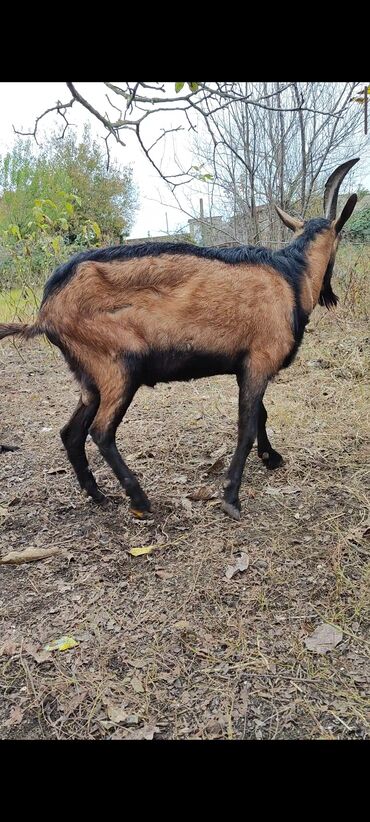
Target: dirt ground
column 169, row 647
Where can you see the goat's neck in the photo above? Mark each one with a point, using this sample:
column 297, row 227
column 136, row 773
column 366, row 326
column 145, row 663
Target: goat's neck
column 318, row 256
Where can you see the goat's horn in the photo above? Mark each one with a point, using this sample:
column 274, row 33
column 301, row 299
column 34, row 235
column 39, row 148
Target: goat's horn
column 332, row 188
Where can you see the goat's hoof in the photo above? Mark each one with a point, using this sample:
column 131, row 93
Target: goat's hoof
column 272, row 460
column 99, row 497
column 141, row 514
column 230, row 510
column 94, row 494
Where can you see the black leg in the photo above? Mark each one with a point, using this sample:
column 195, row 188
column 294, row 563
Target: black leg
column 249, row 403
column 103, row 432
column 270, row 458
column 74, row 437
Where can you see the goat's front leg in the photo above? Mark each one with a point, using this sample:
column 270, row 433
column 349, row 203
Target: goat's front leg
column 270, row 458
column 250, row 395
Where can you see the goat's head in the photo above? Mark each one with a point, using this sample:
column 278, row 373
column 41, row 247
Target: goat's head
column 334, row 224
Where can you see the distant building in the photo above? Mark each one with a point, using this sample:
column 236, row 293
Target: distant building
column 239, row 229
column 163, row 238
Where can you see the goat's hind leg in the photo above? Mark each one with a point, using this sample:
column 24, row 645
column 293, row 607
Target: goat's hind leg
column 251, row 390
column 74, row 436
column 117, row 389
column 270, row 458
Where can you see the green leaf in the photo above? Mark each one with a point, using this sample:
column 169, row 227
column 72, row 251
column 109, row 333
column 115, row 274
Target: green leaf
column 178, row 87
column 138, row 552
column 14, row 229
column 96, row 229
column 64, row 643
column 69, row 208
column 193, row 86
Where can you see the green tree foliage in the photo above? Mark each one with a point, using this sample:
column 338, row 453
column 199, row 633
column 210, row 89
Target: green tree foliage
column 59, row 201
column 358, row 227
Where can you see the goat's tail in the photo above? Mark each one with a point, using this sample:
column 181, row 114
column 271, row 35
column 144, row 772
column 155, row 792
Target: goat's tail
column 25, row 330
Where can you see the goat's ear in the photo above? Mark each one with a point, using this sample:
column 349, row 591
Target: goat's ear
column 291, row 222
column 346, row 213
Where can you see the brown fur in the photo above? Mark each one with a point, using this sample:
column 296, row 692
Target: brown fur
column 163, row 302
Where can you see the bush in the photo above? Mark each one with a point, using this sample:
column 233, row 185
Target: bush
column 56, row 203
column 358, row 227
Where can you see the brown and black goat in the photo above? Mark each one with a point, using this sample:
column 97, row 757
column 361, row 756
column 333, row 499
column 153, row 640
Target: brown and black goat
column 132, row 315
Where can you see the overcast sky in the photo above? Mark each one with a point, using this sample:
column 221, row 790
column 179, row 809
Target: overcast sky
column 21, row 103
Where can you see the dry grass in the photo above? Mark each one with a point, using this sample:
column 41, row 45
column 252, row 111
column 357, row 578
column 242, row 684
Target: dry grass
column 165, row 639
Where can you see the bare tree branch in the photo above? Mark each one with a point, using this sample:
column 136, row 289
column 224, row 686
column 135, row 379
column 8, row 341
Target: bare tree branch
column 202, row 102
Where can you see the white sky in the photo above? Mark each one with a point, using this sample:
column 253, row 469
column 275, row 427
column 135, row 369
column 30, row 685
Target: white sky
column 21, row 103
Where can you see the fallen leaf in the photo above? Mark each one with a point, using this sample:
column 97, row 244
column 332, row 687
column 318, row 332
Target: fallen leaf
column 15, row 718
column 220, row 452
column 163, row 575
column 28, row 555
column 323, row 639
column 144, row 549
column 138, row 663
column 273, row 491
column 216, row 466
column 202, row 493
column 137, row 685
column 64, row 643
column 242, row 563
column 57, row 471
column 282, row 489
column 182, row 624
column 116, row 714
column 8, row 647
column 37, row 654
column 147, row 732
column 214, row 728
column 187, row 505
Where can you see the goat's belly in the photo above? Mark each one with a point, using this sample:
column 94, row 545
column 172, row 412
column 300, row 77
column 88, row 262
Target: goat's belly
column 172, row 365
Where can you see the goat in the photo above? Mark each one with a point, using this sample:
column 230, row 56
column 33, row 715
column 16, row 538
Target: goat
column 131, row 315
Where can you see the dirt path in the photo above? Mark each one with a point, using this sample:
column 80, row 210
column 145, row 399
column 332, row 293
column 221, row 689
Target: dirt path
column 168, row 646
